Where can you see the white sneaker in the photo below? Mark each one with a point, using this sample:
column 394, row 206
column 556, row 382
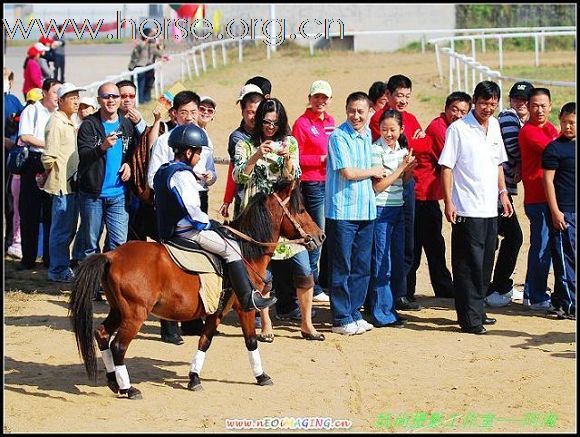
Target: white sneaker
column 498, row 300
column 362, row 323
column 322, row 297
column 348, row 329
column 14, row 252
column 542, row 306
column 517, row 294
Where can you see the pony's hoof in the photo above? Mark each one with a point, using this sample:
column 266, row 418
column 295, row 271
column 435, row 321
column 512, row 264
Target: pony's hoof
column 131, row 392
column 264, row 379
column 194, row 382
column 112, row 382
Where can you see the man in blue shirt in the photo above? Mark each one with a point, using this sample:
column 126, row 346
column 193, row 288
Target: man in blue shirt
column 350, row 211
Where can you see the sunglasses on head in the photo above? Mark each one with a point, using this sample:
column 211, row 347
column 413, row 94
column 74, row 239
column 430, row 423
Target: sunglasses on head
column 127, row 96
column 109, row 96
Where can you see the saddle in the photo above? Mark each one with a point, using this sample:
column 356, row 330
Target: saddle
column 190, row 257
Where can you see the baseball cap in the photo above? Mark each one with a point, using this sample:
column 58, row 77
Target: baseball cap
column 41, row 47
column 89, row 101
column 66, row 88
column 33, row 51
column 246, row 89
column 45, row 41
column 34, row 95
column 208, row 99
column 521, row 90
column 320, row 87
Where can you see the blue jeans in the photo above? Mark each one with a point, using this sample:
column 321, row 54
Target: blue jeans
column 113, row 211
column 65, row 217
column 539, row 257
column 313, row 194
column 387, row 263
column 563, row 246
column 350, row 244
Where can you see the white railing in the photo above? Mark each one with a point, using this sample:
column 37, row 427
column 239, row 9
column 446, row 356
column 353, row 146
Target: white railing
column 465, row 70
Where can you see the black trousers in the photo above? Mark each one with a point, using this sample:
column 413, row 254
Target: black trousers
column 507, row 257
column 472, row 254
column 8, row 209
column 35, row 207
column 428, row 225
column 59, row 67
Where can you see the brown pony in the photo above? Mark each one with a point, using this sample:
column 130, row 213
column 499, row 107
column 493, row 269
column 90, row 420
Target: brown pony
column 140, row 278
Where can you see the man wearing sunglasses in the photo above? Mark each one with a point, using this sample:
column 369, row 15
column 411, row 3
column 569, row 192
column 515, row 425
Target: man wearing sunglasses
column 128, row 106
column 105, row 144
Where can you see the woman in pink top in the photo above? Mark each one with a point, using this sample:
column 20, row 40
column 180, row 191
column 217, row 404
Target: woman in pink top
column 32, row 72
column 312, row 130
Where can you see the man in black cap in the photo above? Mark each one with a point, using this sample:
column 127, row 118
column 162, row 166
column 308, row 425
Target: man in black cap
column 501, row 290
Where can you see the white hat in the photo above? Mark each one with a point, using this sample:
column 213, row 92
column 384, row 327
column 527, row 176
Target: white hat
column 66, row 88
column 41, row 47
column 320, row 87
column 89, row 101
column 250, row 88
column 208, row 99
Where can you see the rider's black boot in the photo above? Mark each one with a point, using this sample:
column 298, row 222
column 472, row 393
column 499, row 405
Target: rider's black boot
column 249, row 298
column 170, row 332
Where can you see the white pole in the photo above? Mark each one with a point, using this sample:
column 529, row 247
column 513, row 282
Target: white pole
column 482, row 42
column 188, row 68
column 536, row 50
column 195, row 66
column 458, row 72
column 272, row 36
column 451, row 61
column 311, row 44
column 240, row 54
column 500, row 47
column 213, row 61
column 203, row 65
column 224, row 54
column 473, row 48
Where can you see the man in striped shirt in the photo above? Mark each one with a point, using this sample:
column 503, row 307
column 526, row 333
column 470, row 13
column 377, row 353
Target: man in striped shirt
column 350, row 211
column 501, row 290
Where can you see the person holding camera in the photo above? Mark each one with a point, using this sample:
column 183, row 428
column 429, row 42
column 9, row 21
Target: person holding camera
column 60, row 159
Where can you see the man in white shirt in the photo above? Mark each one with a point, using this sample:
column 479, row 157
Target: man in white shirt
column 472, row 179
column 35, row 205
column 185, row 110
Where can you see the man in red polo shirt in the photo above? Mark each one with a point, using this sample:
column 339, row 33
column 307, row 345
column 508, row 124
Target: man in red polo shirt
column 534, row 136
column 428, row 216
column 398, row 95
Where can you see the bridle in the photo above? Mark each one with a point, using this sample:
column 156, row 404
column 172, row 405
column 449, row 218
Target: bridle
column 305, row 239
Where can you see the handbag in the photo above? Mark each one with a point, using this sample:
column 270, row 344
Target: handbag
column 17, row 158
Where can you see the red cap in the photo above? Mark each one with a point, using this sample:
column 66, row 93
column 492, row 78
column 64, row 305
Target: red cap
column 46, row 41
column 32, row 51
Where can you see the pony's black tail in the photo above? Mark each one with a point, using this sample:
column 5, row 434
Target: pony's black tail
column 85, row 286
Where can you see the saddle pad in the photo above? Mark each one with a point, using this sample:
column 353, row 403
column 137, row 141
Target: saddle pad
column 211, row 282
column 210, row 291
column 190, row 261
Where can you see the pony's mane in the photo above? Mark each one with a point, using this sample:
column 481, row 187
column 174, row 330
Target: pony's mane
column 255, row 221
column 295, row 204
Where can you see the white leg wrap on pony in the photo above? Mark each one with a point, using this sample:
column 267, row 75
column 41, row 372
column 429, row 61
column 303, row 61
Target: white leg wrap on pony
column 256, row 362
column 108, row 359
column 197, row 362
column 122, row 377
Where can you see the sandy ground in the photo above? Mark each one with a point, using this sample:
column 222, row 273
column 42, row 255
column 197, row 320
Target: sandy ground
column 428, row 376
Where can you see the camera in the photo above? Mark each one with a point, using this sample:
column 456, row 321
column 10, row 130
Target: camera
column 276, row 146
column 119, row 133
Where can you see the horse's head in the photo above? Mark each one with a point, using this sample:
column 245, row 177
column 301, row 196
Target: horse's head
column 287, row 208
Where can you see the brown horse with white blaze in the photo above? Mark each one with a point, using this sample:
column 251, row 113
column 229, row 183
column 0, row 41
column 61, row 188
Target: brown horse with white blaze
column 140, row 278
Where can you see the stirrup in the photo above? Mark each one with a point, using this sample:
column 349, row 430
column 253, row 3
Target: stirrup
column 259, row 302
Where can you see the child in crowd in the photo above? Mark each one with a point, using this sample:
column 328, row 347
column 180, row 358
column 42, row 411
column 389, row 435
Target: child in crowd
column 389, row 151
column 559, row 162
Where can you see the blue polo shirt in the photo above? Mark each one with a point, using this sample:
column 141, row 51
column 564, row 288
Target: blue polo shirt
column 345, row 199
column 112, row 184
column 560, row 155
